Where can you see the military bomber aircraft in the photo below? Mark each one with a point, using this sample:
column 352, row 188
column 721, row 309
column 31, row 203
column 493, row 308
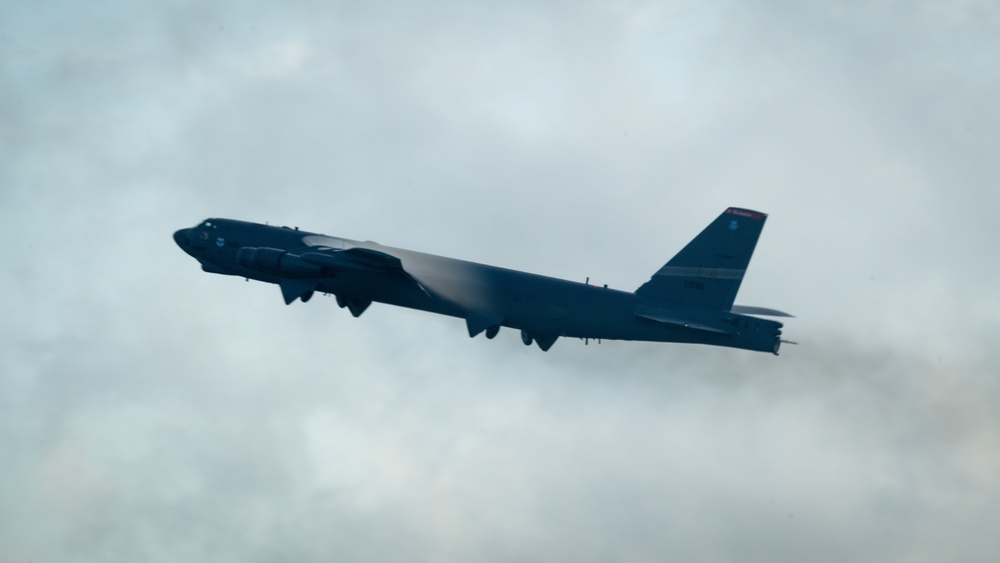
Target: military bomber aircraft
column 690, row 299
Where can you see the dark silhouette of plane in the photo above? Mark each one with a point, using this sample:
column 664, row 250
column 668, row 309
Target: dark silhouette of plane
column 690, row 299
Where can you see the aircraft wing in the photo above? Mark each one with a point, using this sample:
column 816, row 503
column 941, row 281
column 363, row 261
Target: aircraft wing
column 354, row 259
column 358, row 259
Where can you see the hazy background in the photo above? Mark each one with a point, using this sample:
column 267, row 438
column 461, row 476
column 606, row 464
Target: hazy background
column 152, row 412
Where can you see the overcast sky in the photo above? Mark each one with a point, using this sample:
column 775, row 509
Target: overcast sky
column 153, row 412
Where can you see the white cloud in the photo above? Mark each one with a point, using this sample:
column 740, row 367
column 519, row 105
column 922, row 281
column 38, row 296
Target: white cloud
column 155, row 412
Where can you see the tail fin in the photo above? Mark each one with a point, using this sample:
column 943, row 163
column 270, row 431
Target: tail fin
column 708, row 271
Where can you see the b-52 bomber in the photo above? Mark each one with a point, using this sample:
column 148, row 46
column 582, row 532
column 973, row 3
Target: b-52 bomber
column 690, row 299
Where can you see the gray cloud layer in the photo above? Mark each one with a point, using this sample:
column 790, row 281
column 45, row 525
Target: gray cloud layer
column 150, row 411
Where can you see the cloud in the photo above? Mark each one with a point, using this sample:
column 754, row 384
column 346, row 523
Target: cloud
column 153, row 411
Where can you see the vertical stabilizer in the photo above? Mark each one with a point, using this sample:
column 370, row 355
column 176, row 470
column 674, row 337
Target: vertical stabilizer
column 708, row 271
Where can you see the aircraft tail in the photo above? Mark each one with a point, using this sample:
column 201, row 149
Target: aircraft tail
column 708, row 271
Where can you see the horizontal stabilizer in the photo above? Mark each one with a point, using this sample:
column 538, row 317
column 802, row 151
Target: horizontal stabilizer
column 675, row 319
column 764, row 311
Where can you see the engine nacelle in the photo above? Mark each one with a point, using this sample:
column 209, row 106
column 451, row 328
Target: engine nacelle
column 275, row 261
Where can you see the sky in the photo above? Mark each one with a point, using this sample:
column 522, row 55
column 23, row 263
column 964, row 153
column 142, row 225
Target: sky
column 150, row 411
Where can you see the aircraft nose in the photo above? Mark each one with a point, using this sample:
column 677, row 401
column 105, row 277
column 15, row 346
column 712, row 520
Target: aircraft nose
column 181, row 238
